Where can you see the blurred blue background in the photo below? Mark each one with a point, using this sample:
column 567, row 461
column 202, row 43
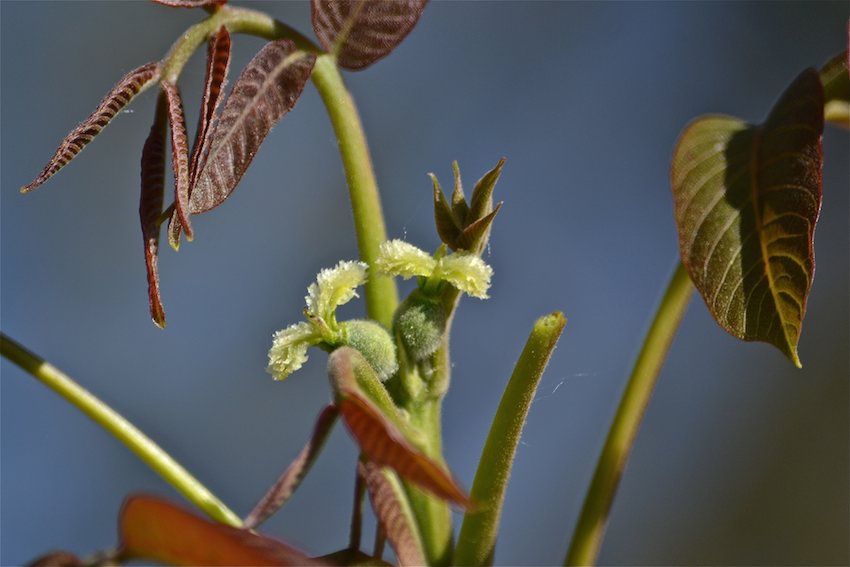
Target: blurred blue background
column 742, row 459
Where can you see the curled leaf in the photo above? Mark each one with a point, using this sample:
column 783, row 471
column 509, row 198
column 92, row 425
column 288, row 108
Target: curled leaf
column 266, row 90
column 362, row 31
column 746, row 201
column 393, row 512
column 150, row 203
column 295, row 472
column 154, row 529
column 179, row 154
column 121, row 94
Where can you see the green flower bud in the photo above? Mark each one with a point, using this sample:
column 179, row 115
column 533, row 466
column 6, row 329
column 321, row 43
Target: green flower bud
column 373, row 342
column 420, row 322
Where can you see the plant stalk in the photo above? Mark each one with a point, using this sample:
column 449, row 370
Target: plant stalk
column 152, row 454
column 477, row 539
column 590, row 529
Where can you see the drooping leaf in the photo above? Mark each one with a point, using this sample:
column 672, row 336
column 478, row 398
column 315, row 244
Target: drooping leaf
column 292, row 476
column 218, row 64
column 266, row 90
column 150, row 203
column 385, row 445
column 836, row 89
column 154, row 529
column 121, row 94
column 190, row 3
column 179, row 154
column 746, row 201
column 393, row 513
column 362, row 31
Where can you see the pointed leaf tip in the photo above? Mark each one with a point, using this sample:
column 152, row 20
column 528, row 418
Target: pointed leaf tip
column 265, row 92
column 746, row 202
column 120, row 96
column 361, row 32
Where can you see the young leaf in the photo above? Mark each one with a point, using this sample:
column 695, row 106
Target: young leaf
column 266, row 90
column 746, row 201
column 190, row 3
column 386, row 446
column 154, row 529
column 218, row 64
column 362, row 31
column 393, row 513
column 57, row 559
column 349, row 557
column 150, row 203
column 292, row 476
column 179, row 154
column 121, row 94
column 836, row 89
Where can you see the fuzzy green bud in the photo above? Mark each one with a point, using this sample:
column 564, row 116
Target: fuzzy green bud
column 420, row 322
column 373, row 342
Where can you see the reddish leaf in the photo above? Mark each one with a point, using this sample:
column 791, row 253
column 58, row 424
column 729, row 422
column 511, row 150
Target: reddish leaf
column 150, row 203
column 121, row 94
column 218, row 63
column 393, row 513
column 352, row 558
column 385, row 445
column 179, row 155
column 266, row 90
column 154, row 529
column 292, row 476
column 362, row 31
column 57, row 559
column 190, row 3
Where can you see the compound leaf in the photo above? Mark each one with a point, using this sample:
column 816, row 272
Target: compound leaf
column 154, row 529
column 150, row 203
column 120, row 96
column 179, row 154
column 266, row 90
column 746, row 202
column 362, row 31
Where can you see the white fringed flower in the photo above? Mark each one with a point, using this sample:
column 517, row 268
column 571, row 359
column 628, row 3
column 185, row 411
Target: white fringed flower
column 334, row 287
column 467, row 272
column 289, row 349
column 400, row 258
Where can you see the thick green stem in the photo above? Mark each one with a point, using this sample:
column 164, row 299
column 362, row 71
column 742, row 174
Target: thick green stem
column 477, row 539
column 591, row 525
column 381, row 293
column 151, row 453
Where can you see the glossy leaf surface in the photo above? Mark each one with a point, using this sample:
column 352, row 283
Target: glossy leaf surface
column 154, row 529
column 393, row 513
column 295, row 472
column 362, row 31
column 120, row 96
column 836, row 85
column 746, row 202
column 179, row 154
column 266, row 90
column 150, row 203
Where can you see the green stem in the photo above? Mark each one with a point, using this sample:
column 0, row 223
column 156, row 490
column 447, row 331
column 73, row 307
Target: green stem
column 591, row 525
column 151, row 453
column 477, row 539
column 381, row 293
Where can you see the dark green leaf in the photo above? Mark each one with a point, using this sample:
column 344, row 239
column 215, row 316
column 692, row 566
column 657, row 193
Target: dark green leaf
column 150, row 203
column 266, row 90
column 362, row 31
column 294, row 474
column 746, row 201
column 120, row 96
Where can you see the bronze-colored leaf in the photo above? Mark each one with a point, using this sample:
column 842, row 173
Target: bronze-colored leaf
column 447, row 227
column 150, row 203
column 266, row 90
column 362, row 31
column 482, row 194
column 386, row 446
column 746, row 201
column 179, row 155
column 393, row 513
column 121, row 94
column 473, row 235
column 190, row 3
column 352, row 558
column 836, row 89
column 460, row 209
column 57, row 559
column 295, row 472
column 154, row 529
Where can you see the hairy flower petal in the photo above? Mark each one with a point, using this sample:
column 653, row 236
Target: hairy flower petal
column 334, row 287
column 289, row 349
column 467, row 272
column 400, row 258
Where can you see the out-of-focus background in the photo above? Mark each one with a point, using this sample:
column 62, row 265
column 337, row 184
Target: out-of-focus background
column 741, row 460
